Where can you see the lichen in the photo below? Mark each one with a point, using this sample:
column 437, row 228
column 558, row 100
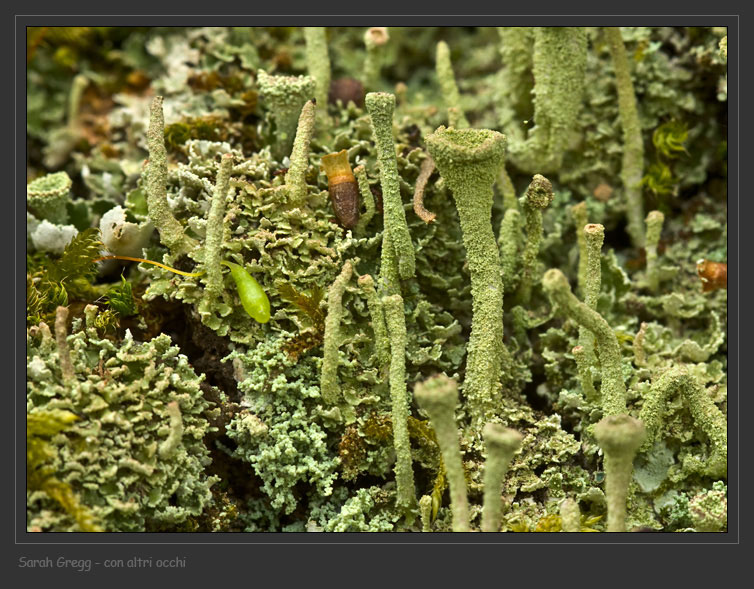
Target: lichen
column 109, row 457
column 201, row 149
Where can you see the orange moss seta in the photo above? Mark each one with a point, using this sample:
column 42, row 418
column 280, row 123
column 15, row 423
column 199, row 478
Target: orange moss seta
column 343, row 188
column 143, row 261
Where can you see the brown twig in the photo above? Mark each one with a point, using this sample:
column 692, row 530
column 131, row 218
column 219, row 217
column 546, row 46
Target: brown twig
column 427, row 167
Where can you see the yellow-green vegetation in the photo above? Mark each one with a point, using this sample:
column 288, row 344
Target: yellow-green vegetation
column 503, row 310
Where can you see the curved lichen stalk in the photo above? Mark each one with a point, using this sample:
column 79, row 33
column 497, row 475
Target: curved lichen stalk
column 704, row 411
column 613, row 392
column 559, row 67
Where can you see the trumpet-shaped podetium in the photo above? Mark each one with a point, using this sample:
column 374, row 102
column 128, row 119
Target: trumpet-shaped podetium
column 438, row 396
column 559, row 66
column 374, row 40
column 285, row 97
column 253, row 297
column 47, row 196
column 619, row 436
column 469, row 160
column 502, row 443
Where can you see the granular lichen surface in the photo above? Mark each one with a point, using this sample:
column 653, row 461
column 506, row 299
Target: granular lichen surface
column 537, row 224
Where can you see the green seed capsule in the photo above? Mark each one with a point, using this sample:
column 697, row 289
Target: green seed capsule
column 253, row 297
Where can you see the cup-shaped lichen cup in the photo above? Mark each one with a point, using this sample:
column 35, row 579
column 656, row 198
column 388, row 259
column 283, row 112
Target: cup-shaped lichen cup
column 470, row 161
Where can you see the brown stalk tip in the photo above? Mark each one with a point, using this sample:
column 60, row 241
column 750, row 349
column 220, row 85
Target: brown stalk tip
column 539, row 194
column 377, row 35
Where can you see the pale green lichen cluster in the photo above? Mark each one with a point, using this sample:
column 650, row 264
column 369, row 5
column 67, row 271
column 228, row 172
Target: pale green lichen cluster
column 321, row 422
column 136, row 456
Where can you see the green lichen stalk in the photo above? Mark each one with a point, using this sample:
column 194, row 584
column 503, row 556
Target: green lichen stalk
column 285, row 97
column 367, row 196
column 516, row 51
column 584, row 368
column 330, row 360
column 559, row 66
column 61, row 335
column 374, row 39
column 613, row 391
column 538, row 197
column 594, row 237
column 175, row 395
column 295, row 177
column 438, row 396
column 318, row 63
column 469, row 160
column 381, row 341
column 404, row 473
column 705, row 413
column 447, row 80
column 501, row 444
column 508, row 242
column 380, row 106
column 580, row 219
column 214, row 240
column 619, row 436
column 633, row 146
column 655, row 220
column 80, row 82
column 172, row 234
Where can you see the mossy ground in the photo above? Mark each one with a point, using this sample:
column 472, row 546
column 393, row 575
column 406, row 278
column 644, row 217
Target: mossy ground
column 262, row 450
